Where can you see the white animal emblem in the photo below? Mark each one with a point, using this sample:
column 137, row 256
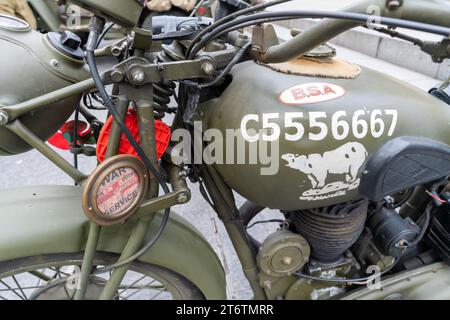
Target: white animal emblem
column 346, row 159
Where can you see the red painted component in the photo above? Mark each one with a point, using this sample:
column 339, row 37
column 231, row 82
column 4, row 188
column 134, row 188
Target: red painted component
column 62, row 139
column 201, row 11
column 162, row 136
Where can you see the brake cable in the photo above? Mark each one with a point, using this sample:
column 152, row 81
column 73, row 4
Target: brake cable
column 229, row 18
column 96, row 28
column 105, row 31
column 357, row 17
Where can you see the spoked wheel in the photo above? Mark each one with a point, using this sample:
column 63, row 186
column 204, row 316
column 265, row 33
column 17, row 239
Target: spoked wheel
column 53, row 277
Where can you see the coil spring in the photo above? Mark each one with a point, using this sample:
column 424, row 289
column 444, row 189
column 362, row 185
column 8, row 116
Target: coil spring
column 162, row 93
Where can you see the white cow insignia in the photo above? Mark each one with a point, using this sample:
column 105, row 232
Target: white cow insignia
column 345, row 160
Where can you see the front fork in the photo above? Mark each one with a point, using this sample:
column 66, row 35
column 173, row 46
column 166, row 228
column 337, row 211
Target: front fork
column 144, row 108
column 221, row 195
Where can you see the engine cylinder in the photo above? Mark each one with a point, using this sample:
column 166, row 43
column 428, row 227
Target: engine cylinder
column 330, row 231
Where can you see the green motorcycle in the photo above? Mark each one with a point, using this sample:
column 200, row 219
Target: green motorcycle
column 356, row 162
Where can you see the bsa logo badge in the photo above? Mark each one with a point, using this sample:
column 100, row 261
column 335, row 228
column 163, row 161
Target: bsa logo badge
column 311, row 93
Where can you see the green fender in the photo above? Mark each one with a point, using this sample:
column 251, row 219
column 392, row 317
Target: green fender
column 49, row 220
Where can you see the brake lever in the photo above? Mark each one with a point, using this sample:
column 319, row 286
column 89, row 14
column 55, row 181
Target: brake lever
column 439, row 51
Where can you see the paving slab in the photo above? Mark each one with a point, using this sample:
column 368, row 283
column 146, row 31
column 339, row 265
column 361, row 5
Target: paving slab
column 370, row 42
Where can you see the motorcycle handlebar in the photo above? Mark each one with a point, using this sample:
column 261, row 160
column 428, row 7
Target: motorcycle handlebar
column 423, row 11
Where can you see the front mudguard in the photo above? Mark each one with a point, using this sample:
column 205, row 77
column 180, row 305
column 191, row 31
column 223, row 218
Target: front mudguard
column 49, row 220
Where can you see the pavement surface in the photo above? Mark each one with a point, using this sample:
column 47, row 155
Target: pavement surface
column 371, row 42
column 32, row 168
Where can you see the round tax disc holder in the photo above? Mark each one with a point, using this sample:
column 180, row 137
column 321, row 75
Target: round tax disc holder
column 115, row 190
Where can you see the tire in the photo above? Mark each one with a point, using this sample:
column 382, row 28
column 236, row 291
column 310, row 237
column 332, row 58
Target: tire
column 12, row 272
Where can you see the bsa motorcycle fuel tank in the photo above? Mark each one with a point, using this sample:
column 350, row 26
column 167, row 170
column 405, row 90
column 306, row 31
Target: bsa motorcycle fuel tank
column 33, row 64
column 319, row 131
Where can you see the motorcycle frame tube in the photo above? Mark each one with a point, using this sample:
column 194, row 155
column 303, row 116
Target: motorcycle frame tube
column 17, row 110
column 23, row 132
column 88, row 260
column 134, row 243
column 94, row 231
column 225, row 205
column 415, row 10
column 146, row 126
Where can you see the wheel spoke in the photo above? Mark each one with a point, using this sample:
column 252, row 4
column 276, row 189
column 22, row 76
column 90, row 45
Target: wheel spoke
column 48, row 281
column 11, row 289
column 156, row 295
column 58, row 274
column 132, row 294
column 24, row 288
column 19, row 287
column 131, row 285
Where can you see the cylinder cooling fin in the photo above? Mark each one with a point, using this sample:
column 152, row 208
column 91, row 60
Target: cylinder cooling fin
column 330, row 231
column 439, row 235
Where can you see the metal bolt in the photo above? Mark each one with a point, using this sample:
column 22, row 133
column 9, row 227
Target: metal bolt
column 54, row 63
column 207, row 68
column 138, row 76
column 182, row 198
column 402, row 244
column 267, row 284
column 287, row 260
column 394, row 4
column 117, row 75
column 116, row 51
column 4, row 117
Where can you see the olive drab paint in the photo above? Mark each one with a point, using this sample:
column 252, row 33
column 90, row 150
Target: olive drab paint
column 42, row 69
column 124, row 12
column 325, row 129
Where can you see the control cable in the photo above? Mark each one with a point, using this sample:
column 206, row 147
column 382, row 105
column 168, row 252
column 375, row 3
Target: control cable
column 97, row 26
